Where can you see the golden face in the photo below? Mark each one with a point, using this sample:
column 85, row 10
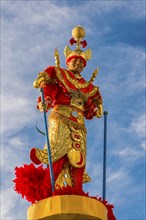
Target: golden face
column 76, row 65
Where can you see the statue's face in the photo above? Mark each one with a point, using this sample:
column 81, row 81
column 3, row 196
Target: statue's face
column 76, row 65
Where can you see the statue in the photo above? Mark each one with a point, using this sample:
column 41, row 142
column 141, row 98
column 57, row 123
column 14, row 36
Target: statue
column 72, row 99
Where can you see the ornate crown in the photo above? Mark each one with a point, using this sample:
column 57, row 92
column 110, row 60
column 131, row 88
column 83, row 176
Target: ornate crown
column 78, row 34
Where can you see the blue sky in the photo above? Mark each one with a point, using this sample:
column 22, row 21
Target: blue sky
column 115, row 31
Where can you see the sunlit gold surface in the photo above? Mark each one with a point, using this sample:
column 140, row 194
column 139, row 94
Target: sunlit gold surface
column 57, row 58
column 68, row 111
column 42, row 77
column 78, row 32
column 62, row 132
column 75, row 82
column 70, row 79
column 65, row 135
column 94, row 74
column 64, row 178
column 99, row 111
column 67, row 207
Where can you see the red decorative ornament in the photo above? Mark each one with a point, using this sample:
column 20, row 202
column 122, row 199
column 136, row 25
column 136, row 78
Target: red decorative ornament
column 72, row 41
column 77, row 136
column 77, row 145
column 83, row 43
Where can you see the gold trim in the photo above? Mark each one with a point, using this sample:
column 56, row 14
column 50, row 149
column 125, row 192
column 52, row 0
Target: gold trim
column 67, row 111
column 60, row 77
column 75, row 82
column 99, row 111
column 77, row 103
column 43, row 77
column 93, row 91
column 76, row 158
column 57, row 57
column 77, row 76
column 64, row 178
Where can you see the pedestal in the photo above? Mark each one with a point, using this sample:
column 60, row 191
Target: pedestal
column 67, row 207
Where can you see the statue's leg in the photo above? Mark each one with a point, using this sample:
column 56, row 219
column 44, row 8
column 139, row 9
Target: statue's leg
column 77, row 176
column 63, row 176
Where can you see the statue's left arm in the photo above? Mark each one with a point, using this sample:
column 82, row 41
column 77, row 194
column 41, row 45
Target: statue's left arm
column 93, row 104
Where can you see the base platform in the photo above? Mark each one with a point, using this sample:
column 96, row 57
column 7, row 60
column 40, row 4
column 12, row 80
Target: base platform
column 67, row 207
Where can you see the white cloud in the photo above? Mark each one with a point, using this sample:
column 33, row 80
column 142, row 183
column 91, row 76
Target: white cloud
column 133, row 11
column 138, row 126
column 138, row 129
column 130, row 153
column 13, row 153
column 8, row 197
column 17, row 111
column 143, row 144
column 8, row 205
column 117, row 176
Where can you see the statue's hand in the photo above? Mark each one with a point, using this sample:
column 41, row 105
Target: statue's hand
column 83, row 97
column 42, row 79
column 75, row 93
column 99, row 112
column 78, row 95
column 42, row 106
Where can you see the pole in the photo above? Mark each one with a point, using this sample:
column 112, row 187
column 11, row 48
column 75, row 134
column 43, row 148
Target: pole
column 104, row 155
column 47, row 140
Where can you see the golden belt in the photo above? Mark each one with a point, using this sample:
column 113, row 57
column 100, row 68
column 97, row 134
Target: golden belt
column 70, row 112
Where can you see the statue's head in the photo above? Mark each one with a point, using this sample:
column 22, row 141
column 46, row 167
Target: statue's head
column 76, row 65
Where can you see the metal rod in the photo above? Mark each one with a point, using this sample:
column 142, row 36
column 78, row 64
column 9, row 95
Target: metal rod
column 104, row 155
column 47, row 140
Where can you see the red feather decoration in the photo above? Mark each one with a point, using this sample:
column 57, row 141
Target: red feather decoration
column 33, row 183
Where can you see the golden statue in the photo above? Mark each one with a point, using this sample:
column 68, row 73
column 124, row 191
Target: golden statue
column 72, row 99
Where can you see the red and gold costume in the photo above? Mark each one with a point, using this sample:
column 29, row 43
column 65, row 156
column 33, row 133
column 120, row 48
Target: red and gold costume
column 67, row 132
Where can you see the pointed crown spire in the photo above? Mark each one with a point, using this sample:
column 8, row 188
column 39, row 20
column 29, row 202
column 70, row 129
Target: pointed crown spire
column 78, row 34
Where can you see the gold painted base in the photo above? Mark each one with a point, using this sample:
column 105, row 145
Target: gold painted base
column 67, row 207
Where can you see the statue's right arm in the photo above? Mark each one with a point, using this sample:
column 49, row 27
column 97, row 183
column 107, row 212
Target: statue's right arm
column 46, row 81
column 44, row 78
